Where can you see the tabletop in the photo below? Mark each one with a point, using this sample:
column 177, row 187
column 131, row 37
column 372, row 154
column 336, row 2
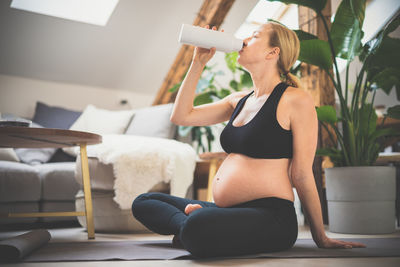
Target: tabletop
column 30, row 137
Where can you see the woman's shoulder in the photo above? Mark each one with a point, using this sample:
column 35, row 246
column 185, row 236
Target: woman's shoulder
column 235, row 97
column 297, row 96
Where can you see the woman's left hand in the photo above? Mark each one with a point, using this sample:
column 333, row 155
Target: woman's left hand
column 327, row 242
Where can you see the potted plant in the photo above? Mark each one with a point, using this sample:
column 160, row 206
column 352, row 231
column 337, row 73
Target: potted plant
column 210, row 90
column 361, row 197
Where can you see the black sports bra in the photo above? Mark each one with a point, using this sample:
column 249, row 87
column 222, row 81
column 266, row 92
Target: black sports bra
column 262, row 137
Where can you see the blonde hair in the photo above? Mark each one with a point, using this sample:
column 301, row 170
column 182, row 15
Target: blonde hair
column 289, row 45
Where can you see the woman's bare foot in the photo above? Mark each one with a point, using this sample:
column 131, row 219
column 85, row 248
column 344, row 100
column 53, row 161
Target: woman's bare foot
column 192, row 207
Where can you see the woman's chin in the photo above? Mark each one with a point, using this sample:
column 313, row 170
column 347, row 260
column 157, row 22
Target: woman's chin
column 243, row 64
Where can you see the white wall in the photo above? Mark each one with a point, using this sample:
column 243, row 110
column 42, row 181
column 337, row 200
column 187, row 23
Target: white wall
column 18, row 96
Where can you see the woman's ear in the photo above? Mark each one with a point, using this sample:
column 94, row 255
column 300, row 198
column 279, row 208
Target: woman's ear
column 274, row 52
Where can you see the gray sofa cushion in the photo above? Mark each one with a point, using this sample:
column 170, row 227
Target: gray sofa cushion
column 54, row 117
column 153, row 121
column 19, row 182
column 17, row 207
column 34, row 156
column 57, row 206
column 58, row 181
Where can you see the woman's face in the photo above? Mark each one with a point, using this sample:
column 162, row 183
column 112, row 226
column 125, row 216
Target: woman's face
column 256, row 47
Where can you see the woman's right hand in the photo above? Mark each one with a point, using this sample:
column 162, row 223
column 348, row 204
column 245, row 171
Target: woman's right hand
column 203, row 55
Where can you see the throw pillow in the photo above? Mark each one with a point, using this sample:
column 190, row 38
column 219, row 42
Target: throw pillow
column 100, row 121
column 34, row 156
column 8, row 154
column 54, row 117
column 153, row 121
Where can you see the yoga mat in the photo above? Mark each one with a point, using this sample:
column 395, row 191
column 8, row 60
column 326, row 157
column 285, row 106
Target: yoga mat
column 163, row 250
column 18, row 247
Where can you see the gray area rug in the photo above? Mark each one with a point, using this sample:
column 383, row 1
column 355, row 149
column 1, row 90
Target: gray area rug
column 163, row 250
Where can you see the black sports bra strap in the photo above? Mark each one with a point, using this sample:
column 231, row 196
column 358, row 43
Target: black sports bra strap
column 239, row 106
column 280, row 90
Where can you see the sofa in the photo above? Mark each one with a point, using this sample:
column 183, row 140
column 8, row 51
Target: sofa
column 49, row 179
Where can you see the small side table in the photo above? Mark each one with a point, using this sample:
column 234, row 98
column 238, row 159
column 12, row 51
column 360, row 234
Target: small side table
column 29, row 137
column 215, row 158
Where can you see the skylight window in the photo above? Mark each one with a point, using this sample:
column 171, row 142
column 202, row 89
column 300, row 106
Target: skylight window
column 88, row 11
column 377, row 14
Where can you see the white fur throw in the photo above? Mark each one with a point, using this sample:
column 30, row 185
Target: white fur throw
column 140, row 162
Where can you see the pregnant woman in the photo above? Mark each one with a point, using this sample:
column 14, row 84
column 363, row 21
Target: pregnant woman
column 270, row 139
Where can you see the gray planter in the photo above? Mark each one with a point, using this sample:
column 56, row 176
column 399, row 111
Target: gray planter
column 361, row 200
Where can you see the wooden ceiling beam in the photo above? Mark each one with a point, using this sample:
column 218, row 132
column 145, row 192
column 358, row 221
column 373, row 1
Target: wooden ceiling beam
column 213, row 13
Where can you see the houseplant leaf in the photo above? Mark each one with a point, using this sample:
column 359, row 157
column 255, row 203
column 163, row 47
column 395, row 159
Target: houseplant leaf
column 316, row 52
column 245, row 79
column 346, row 31
column 386, row 79
column 302, row 35
column 326, row 114
column 231, row 61
column 394, row 112
column 202, row 98
column 368, row 117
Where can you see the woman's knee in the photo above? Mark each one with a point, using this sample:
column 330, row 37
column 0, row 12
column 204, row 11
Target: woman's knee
column 139, row 203
column 195, row 236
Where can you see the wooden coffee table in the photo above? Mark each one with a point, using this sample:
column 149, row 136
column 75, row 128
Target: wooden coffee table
column 29, row 137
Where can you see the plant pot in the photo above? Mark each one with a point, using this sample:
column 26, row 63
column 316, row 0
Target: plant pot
column 361, row 200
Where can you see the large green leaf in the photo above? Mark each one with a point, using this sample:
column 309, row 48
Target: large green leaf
column 394, row 112
column 367, row 120
column 316, row 52
column 386, row 79
column 387, row 54
column 231, row 61
column 223, row 93
column 234, row 85
column 245, row 79
column 358, row 9
column 382, row 63
column 346, row 31
column 373, row 45
column 302, row 35
column 349, row 141
column 175, row 87
column 383, row 133
column 203, row 98
column 326, row 114
column 317, row 5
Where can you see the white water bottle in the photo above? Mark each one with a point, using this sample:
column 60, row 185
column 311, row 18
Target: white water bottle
column 207, row 38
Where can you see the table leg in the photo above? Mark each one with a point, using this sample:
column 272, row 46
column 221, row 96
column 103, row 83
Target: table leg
column 87, row 192
column 211, row 174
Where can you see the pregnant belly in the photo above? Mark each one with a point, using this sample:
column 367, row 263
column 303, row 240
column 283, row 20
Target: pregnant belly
column 241, row 178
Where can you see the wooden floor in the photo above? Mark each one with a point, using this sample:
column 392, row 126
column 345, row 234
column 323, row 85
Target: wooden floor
column 78, row 234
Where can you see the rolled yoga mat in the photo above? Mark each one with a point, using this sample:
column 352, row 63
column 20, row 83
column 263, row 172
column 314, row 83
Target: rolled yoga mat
column 18, row 247
column 163, row 250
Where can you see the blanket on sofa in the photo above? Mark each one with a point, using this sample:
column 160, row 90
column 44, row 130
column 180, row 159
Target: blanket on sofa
column 140, row 162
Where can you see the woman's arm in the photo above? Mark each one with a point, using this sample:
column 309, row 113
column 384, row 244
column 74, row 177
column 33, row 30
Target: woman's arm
column 304, row 125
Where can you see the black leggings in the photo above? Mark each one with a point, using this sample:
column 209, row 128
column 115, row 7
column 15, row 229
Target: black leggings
column 257, row 226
